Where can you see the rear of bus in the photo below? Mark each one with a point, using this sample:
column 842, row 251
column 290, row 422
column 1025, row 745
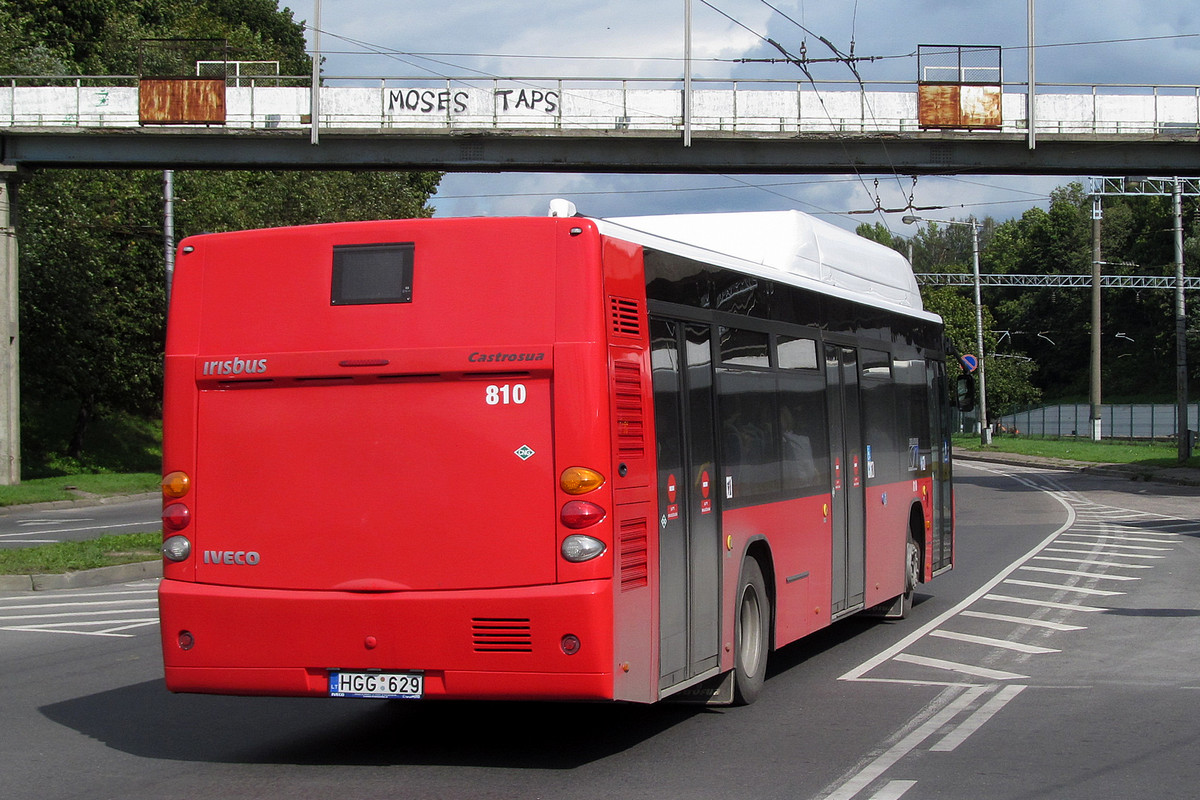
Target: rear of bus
column 369, row 434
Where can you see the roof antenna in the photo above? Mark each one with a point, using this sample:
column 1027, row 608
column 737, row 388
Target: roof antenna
column 563, row 208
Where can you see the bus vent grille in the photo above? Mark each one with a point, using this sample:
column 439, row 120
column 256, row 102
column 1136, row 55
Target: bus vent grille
column 635, row 572
column 626, row 321
column 502, row 635
column 631, row 416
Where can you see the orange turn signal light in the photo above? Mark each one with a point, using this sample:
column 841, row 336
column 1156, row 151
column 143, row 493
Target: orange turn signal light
column 176, row 484
column 580, row 480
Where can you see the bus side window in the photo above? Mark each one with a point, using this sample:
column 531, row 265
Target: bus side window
column 750, row 435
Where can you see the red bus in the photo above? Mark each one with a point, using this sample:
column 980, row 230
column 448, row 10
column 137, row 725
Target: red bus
column 542, row 458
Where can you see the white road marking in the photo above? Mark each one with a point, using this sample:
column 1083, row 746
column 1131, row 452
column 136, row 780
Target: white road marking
column 75, row 614
column 71, row 605
column 1059, row 587
column 964, row 669
column 977, row 719
column 76, row 595
column 1124, row 546
column 1003, row 644
column 1093, row 552
column 1037, row 623
column 88, row 528
column 906, row 745
column 1080, row 573
column 1094, row 562
column 1025, row 601
column 899, row 647
column 894, row 790
column 1118, row 537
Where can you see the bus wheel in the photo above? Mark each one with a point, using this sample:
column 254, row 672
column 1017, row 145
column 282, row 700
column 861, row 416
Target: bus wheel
column 752, row 635
column 912, row 576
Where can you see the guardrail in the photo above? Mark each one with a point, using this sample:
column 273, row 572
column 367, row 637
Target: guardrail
column 614, row 105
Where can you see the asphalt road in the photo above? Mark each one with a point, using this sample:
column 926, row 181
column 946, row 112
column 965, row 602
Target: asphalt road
column 23, row 526
column 1060, row 659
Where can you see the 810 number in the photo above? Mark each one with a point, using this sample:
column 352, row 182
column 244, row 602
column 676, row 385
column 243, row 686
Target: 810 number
column 505, row 394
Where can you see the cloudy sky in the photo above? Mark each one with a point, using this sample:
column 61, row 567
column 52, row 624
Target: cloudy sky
column 1138, row 42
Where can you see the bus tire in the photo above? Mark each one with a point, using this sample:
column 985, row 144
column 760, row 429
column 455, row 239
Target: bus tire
column 752, row 634
column 912, row 576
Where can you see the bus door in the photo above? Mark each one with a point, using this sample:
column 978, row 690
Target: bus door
column 938, row 393
column 689, row 534
column 847, row 512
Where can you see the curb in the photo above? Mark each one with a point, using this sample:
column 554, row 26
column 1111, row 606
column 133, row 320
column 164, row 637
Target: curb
column 82, row 502
column 100, row 576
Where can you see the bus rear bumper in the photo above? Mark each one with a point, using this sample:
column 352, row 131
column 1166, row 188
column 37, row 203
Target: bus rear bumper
column 494, row 644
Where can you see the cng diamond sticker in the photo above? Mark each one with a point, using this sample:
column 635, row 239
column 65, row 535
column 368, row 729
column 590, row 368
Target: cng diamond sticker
column 524, row 452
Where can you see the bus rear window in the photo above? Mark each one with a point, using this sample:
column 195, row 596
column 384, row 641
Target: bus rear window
column 372, row 273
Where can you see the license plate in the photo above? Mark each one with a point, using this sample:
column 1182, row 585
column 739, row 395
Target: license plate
column 404, row 685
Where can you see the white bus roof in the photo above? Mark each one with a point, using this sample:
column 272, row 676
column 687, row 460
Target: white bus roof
column 786, row 246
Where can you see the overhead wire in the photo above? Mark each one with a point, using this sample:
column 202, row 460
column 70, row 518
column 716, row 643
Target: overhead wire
column 848, row 59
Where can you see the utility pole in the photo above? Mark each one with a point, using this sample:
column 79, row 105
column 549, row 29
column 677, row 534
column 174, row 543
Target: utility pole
column 10, row 382
column 687, row 73
column 315, row 91
column 1182, row 431
column 1031, row 96
column 1095, row 366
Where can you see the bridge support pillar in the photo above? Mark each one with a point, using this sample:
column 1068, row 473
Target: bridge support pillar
column 10, row 391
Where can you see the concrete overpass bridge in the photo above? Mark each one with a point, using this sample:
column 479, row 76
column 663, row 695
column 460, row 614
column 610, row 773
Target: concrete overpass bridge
column 600, row 125
column 578, row 125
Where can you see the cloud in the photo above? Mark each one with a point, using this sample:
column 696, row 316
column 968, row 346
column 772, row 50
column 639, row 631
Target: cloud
column 620, row 38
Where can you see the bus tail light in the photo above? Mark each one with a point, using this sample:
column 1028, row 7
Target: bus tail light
column 570, row 644
column 578, row 548
column 177, row 548
column 578, row 514
column 176, row 517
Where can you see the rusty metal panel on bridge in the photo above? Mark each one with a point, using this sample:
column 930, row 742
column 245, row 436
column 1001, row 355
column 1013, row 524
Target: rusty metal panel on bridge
column 958, row 106
column 181, row 101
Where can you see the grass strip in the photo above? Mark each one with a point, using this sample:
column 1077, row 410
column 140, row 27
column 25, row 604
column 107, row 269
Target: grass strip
column 1103, row 452
column 75, row 487
column 106, row 551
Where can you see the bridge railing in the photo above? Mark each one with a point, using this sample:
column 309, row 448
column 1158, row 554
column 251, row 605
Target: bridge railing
column 614, row 105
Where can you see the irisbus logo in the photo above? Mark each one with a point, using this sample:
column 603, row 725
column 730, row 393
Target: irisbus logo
column 236, row 366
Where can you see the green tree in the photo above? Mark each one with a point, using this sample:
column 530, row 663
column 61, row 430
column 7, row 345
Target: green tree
column 92, row 285
column 235, row 200
column 91, row 294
